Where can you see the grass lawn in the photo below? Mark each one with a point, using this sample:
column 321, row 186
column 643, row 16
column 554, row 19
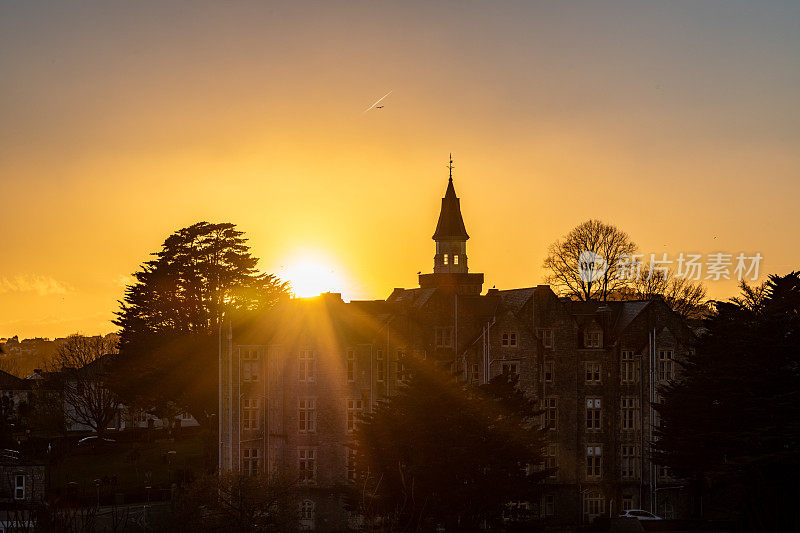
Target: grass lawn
column 127, row 467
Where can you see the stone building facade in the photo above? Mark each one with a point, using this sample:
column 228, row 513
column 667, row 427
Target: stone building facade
column 293, row 384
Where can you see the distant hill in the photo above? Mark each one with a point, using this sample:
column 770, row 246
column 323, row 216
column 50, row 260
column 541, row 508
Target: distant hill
column 21, row 357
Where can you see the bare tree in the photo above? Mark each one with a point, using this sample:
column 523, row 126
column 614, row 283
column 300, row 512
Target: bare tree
column 237, row 502
column 81, row 364
column 585, row 264
column 685, row 296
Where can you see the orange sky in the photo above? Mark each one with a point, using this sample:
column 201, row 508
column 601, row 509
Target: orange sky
column 678, row 122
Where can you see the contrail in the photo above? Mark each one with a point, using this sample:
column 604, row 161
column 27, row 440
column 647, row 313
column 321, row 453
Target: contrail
column 378, row 101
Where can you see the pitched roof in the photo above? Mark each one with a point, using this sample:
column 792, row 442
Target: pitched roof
column 412, row 297
column 619, row 314
column 451, row 224
column 515, row 299
column 12, row 382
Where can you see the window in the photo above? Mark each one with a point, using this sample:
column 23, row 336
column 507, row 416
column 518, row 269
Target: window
column 593, row 373
column 307, row 366
column 593, row 505
column 627, row 502
column 354, row 407
column 351, row 465
column 307, row 415
column 403, row 375
column 444, row 337
column 455, row 259
column 550, row 412
column 592, row 339
column 594, row 461
column 380, row 366
column 547, row 337
column 628, row 368
column 250, row 365
column 509, row 340
column 475, row 373
column 551, row 458
column 665, row 365
column 593, row 414
column 656, row 416
column 351, row 365
column 549, row 366
column 664, row 472
column 250, row 461
column 19, row 487
column 548, row 505
column 445, row 259
column 250, row 414
column 307, row 515
column 510, row 368
column 307, row 464
column 629, row 406
column 629, row 461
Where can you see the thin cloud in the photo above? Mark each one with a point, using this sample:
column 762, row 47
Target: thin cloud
column 39, row 284
column 124, row 281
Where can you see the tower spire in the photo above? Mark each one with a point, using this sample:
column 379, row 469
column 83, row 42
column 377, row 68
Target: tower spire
column 450, row 166
column 450, row 270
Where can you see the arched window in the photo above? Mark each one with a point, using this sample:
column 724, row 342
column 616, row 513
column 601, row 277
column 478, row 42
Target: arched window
column 307, row 514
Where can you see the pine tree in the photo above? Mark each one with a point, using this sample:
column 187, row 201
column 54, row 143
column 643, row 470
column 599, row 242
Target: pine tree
column 443, row 453
column 732, row 424
column 172, row 314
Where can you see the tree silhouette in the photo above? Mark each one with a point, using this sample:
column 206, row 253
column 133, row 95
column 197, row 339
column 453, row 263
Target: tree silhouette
column 172, row 314
column 684, row 296
column 80, row 367
column 732, row 423
column 442, row 453
column 564, row 258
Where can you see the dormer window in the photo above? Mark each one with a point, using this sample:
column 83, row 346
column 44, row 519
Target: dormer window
column 592, row 339
column 444, row 337
column 445, row 259
column 509, row 340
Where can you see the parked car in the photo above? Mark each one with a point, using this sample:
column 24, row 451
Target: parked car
column 639, row 514
column 95, row 442
column 9, row 455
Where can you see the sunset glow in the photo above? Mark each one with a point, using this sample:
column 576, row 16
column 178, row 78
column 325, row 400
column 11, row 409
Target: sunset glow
column 125, row 124
column 309, row 278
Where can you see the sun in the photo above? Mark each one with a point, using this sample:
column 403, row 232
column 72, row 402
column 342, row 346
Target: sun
column 311, row 278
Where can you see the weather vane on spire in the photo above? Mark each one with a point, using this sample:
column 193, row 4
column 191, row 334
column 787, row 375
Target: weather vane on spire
column 450, row 166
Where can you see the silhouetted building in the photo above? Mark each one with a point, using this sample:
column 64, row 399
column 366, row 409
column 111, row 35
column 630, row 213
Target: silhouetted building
column 293, row 384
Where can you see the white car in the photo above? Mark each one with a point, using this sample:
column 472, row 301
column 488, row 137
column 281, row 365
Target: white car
column 639, row 514
column 94, row 441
